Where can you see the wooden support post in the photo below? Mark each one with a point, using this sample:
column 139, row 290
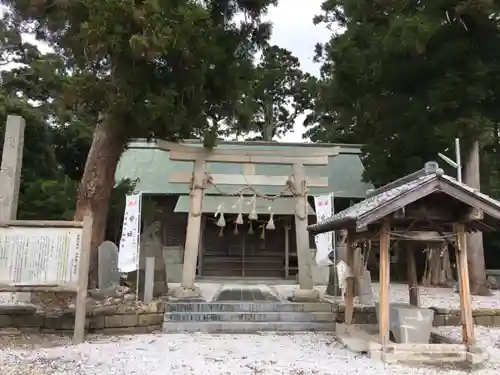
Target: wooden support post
column 287, row 251
column 385, row 241
column 464, row 287
column 411, row 267
column 193, row 232
column 304, row 257
column 357, row 268
column 83, row 280
column 349, row 295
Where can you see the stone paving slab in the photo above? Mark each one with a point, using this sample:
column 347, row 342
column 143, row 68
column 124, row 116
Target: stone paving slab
column 246, row 327
column 245, row 294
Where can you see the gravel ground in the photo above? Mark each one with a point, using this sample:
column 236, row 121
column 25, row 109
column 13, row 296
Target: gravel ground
column 429, row 296
column 433, row 297
column 186, row 354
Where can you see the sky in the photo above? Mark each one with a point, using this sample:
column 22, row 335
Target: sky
column 294, row 30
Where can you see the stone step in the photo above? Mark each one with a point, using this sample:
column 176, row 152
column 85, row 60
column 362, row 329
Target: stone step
column 424, row 358
column 251, row 317
column 249, row 307
column 246, row 327
column 237, row 272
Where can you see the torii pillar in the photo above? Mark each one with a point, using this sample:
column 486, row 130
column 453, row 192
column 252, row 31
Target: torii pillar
column 200, row 156
column 187, row 289
column 306, row 291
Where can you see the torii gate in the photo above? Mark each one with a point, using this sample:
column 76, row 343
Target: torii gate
column 200, row 156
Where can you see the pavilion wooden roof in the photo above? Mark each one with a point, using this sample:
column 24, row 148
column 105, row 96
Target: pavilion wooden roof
column 431, row 185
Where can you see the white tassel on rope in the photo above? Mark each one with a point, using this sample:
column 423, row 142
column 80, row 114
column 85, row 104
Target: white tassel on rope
column 239, row 204
column 239, row 219
column 221, row 222
column 253, row 213
column 270, row 224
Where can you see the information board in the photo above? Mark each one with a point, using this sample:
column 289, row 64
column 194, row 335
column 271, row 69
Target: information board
column 40, row 255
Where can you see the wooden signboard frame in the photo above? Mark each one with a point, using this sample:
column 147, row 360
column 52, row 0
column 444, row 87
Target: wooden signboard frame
column 80, row 288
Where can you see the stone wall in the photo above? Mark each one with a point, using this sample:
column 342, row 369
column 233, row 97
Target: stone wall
column 126, row 319
column 106, row 319
column 493, row 277
column 442, row 316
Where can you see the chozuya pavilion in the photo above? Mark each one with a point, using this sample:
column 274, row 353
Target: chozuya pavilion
column 240, row 211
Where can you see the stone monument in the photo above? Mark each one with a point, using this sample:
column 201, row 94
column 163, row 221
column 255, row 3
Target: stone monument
column 10, row 180
column 109, row 275
column 409, row 324
column 151, row 246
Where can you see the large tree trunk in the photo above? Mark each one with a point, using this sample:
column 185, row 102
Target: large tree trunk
column 268, row 130
column 438, row 270
column 97, row 184
column 475, row 250
column 267, row 133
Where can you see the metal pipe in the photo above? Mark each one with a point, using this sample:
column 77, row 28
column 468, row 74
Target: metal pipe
column 458, row 159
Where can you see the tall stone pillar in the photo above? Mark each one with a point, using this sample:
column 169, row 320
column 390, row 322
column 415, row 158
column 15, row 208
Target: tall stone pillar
column 193, row 232
column 306, row 289
column 10, row 180
column 12, row 162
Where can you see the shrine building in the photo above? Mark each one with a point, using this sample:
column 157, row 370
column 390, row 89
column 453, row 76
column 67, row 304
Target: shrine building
column 245, row 205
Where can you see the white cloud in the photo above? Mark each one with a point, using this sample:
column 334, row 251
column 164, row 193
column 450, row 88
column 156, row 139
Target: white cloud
column 293, row 29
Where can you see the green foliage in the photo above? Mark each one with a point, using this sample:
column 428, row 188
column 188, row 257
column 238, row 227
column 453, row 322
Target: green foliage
column 71, row 146
column 46, row 192
column 406, row 78
column 151, row 68
column 143, row 68
column 48, row 199
column 48, row 186
column 277, row 90
column 54, row 154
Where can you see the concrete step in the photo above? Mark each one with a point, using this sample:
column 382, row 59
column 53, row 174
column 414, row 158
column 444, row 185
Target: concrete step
column 251, row 317
column 246, row 327
column 249, row 307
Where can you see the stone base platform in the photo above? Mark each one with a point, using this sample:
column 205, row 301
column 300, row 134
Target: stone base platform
column 129, row 318
column 362, row 338
column 442, row 316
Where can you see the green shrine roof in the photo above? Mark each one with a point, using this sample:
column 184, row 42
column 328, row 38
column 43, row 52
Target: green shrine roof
column 152, row 166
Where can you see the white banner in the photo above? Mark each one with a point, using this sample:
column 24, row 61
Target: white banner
column 128, row 256
column 324, row 241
